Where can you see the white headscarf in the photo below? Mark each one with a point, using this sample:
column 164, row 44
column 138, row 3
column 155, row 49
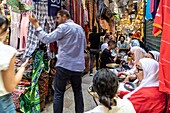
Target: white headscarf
column 138, row 53
column 155, row 55
column 150, row 75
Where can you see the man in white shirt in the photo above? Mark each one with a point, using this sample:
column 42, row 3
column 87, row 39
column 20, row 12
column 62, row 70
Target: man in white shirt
column 105, row 44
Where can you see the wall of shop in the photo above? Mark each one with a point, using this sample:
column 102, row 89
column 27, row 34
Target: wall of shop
column 152, row 42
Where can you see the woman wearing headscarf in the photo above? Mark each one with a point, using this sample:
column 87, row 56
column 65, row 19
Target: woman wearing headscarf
column 153, row 54
column 136, row 53
column 147, row 98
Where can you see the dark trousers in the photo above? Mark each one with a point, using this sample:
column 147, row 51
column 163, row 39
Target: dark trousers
column 94, row 53
column 60, row 82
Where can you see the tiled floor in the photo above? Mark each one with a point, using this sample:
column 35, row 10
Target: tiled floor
column 69, row 98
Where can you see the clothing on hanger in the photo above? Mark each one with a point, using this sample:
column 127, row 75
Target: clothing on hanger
column 40, row 9
column 15, row 31
column 53, row 7
column 24, row 27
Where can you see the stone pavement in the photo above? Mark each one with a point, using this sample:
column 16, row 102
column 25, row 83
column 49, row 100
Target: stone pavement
column 69, row 98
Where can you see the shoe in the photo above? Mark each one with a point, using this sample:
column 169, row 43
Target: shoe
column 91, row 74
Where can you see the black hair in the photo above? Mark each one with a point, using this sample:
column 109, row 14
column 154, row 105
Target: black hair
column 151, row 55
column 64, row 12
column 105, row 84
column 106, row 38
column 121, row 37
column 130, row 34
column 111, row 42
column 94, row 30
column 3, row 20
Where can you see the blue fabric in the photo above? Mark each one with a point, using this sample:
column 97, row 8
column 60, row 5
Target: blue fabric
column 6, row 104
column 53, row 7
column 71, row 43
column 148, row 14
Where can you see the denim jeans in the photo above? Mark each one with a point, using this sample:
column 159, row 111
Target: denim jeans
column 94, row 53
column 6, row 104
column 60, row 82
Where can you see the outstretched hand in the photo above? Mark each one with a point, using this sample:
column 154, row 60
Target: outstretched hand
column 33, row 20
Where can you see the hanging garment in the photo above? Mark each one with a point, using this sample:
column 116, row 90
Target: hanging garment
column 90, row 3
column 53, row 7
column 148, row 7
column 86, row 18
column 30, row 101
column 162, row 24
column 24, row 27
column 40, row 9
column 154, row 6
column 15, row 23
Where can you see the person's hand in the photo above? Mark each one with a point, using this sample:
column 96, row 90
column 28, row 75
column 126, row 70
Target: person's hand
column 33, row 20
column 117, row 51
column 25, row 63
column 121, row 73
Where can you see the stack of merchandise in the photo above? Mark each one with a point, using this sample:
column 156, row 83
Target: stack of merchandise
column 25, row 83
column 43, row 88
column 52, row 73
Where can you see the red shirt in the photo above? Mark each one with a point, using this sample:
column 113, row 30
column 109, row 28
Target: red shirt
column 148, row 100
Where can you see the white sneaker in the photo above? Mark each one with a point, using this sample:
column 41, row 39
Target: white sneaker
column 91, row 74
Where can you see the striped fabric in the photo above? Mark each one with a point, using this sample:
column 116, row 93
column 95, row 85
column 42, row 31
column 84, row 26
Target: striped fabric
column 40, row 9
column 162, row 24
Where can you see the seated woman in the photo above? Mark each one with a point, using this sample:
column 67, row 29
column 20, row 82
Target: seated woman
column 136, row 54
column 106, row 56
column 153, row 54
column 147, row 98
column 105, row 84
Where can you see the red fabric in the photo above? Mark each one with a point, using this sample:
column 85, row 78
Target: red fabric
column 148, row 100
column 123, row 93
column 152, row 6
column 168, row 103
column 162, row 24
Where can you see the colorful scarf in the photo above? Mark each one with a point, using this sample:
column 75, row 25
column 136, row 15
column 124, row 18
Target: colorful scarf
column 30, row 101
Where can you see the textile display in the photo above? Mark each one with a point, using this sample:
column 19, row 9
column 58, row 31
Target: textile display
column 25, row 82
column 162, row 25
column 40, row 9
column 24, row 27
column 90, row 9
column 18, row 91
column 148, row 8
column 15, row 31
column 30, row 101
column 154, row 5
column 18, row 6
column 53, row 7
